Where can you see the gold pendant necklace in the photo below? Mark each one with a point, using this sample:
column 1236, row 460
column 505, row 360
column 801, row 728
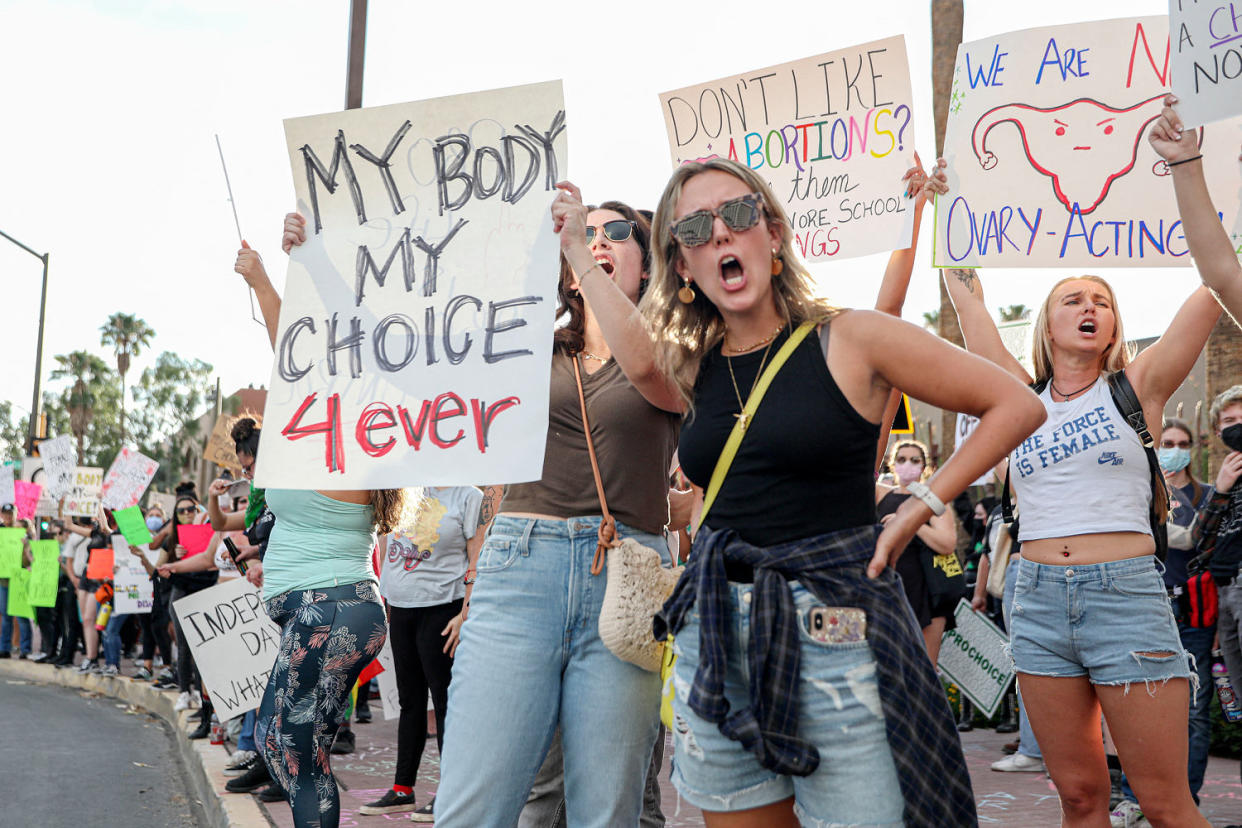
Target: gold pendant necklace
column 601, row 360
column 742, row 417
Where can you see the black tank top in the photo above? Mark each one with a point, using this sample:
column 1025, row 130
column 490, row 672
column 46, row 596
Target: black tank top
column 806, row 464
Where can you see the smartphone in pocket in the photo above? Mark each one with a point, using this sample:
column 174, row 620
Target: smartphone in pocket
column 837, row 625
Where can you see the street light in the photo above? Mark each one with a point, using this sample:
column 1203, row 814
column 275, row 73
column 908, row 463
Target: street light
column 32, row 432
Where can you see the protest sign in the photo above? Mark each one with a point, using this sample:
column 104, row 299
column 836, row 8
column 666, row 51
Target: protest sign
column 8, row 493
column 416, row 326
column 19, row 606
column 10, row 550
column 99, row 568
column 60, row 459
column 44, row 573
column 127, row 478
column 233, row 641
column 83, row 497
column 194, row 537
column 1048, row 152
column 973, row 657
column 1206, row 40
column 26, row 498
column 32, row 471
column 132, row 525
column 166, row 502
column 832, row 134
column 132, row 588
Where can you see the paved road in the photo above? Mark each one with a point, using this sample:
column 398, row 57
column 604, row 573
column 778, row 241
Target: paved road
column 72, row 758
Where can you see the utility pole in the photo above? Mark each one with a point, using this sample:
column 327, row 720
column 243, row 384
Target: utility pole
column 32, row 431
column 357, row 53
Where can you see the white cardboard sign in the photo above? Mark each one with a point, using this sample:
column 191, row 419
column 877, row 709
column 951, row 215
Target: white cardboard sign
column 133, row 591
column 1206, row 40
column 233, row 641
column 973, row 657
column 83, row 497
column 127, row 478
column 60, row 460
column 1048, row 152
column 832, row 134
column 415, row 334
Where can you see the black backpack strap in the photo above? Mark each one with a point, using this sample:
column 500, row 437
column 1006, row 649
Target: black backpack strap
column 1006, row 497
column 1131, row 409
column 1128, row 404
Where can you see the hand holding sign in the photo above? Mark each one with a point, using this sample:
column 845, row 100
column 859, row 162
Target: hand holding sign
column 1168, row 137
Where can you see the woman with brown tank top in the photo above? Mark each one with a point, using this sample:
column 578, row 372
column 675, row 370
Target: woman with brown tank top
column 530, row 658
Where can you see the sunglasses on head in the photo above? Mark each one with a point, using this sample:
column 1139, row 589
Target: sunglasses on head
column 617, row 230
column 738, row 214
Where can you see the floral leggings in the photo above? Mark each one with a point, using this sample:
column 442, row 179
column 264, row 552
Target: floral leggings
column 327, row 637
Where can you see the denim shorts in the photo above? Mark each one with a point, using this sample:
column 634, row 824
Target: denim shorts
column 1110, row 622
column 838, row 711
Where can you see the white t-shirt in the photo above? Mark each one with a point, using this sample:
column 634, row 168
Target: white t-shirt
column 425, row 566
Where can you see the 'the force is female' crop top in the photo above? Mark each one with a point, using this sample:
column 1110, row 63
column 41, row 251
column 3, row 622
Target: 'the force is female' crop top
column 1084, row 471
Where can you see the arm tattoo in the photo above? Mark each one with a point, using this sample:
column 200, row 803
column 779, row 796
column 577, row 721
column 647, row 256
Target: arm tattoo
column 492, row 496
column 967, row 278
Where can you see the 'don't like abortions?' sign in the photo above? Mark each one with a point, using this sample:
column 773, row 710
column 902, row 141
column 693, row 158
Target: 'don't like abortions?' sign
column 415, row 334
column 832, row 134
column 1048, row 152
column 234, row 643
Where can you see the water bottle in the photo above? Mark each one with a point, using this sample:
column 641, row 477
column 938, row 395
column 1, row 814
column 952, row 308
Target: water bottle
column 217, row 730
column 1229, row 704
column 101, row 618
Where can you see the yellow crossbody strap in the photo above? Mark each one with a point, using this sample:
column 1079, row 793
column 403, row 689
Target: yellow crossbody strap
column 752, row 405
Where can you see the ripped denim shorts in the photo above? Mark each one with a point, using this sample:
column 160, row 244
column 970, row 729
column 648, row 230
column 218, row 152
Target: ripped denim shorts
column 1110, row 622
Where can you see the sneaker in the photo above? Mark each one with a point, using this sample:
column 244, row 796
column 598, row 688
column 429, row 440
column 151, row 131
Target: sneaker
column 186, row 701
column 424, row 814
column 1127, row 814
column 253, row 779
column 362, row 715
column 390, row 803
column 165, row 674
column 273, row 793
column 165, row 683
column 39, row 658
column 242, row 761
column 5, row 654
column 21, row 656
column 202, row 731
column 158, row 661
column 141, row 674
column 86, row 666
column 110, row 671
column 344, row 741
column 1018, row 762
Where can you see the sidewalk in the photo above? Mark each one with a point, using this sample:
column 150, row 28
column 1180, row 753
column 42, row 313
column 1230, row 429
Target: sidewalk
column 1011, row 800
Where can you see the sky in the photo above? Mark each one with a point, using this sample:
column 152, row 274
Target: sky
column 111, row 108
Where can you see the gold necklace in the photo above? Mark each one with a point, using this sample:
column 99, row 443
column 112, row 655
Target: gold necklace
column 767, row 339
column 587, row 354
column 742, row 417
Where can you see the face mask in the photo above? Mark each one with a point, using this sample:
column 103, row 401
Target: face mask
column 1232, row 436
column 907, row 473
column 1173, row 459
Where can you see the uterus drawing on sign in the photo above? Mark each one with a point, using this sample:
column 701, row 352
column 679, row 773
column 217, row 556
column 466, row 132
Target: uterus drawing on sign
column 1083, row 146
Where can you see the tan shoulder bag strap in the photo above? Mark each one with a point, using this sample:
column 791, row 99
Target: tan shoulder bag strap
column 608, row 525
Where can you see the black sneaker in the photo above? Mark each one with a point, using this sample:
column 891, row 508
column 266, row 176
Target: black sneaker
column 390, row 803
column 344, row 741
column 202, row 731
column 251, row 780
column 5, row 654
column 362, row 714
column 165, row 684
column 273, row 793
column 425, row 813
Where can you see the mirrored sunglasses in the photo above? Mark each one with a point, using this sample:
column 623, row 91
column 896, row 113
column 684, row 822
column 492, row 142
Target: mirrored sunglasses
column 617, row 230
column 738, row 214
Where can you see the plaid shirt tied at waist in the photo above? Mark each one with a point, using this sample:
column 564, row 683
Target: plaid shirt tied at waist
column 919, row 725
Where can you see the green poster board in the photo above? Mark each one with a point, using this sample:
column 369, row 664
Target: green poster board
column 11, row 550
column 44, row 573
column 18, row 605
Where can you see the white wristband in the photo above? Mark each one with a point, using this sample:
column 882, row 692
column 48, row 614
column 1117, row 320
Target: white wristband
column 927, row 496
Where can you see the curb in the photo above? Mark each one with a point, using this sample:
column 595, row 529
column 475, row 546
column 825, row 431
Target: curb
column 203, row 761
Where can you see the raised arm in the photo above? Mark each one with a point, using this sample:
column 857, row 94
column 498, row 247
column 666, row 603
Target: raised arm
column 966, row 290
column 1209, row 244
column 250, row 266
column 896, row 282
column 220, row 521
column 624, row 329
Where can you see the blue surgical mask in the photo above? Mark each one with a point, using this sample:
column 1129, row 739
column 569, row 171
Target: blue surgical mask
column 1173, row 459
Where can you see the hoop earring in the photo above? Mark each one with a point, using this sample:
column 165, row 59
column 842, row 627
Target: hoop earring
column 686, row 293
column 778, row 264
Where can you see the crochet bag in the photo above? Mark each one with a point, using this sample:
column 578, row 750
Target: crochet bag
column 638, row 582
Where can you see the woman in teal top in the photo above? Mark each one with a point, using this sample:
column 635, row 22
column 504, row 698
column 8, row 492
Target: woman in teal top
column 318, row 585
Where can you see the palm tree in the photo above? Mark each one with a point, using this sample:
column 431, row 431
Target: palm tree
column 931, row 319
column 128, row 335
column 1014, row 313
column 85, row 369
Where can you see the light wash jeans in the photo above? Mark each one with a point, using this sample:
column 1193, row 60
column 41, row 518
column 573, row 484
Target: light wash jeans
column 531, row 659
column 112, row 639
column 1027, row 745
column 6, row 625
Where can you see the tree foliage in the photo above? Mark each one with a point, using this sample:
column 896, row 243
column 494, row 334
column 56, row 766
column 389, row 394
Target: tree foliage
column 168, row 399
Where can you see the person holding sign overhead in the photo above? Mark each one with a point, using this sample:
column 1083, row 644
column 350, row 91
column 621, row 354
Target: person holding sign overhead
column 318, row 585
column 842, row 719
column 1091, row 496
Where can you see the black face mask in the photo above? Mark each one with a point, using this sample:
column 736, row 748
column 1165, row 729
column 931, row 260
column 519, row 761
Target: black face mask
column 1232, row 436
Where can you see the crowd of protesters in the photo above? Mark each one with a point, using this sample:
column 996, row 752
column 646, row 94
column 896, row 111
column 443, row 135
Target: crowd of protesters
column 804, row 688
